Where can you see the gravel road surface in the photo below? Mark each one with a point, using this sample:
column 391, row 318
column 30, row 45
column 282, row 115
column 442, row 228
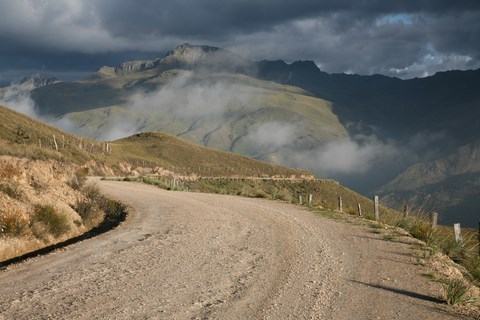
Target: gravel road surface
column 201, row 256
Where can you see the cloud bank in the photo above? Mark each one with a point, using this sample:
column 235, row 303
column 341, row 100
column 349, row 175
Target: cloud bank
column 398, row 38
column 17, row 97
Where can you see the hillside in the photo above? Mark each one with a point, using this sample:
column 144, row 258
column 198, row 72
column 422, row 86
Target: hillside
column 22, row 136
column 450, row 185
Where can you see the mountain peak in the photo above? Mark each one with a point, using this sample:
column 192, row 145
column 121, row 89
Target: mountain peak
column 188, row 53
column 191, row 51
column 38, row 81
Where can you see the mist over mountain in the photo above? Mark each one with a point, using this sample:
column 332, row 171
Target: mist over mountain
column 361, row 130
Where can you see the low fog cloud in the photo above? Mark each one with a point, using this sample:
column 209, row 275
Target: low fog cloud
column 17, row 96
column 347, row 155
column 344, row 155
column 362, row 162
column 190, row 98
column 185, row 97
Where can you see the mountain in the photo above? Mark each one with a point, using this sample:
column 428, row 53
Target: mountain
column 393, row 108
column 206, row 95
column 361, row 130
column 450, row 185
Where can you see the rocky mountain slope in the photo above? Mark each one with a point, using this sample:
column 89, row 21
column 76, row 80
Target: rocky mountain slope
column 450, row 185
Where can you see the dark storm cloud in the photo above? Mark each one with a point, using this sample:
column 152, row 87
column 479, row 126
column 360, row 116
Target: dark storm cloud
column 212, row 18
column 404, row 38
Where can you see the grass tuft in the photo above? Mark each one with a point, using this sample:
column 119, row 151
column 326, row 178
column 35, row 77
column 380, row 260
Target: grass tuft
column 53, row 221
column 456, row 292
column 12, row 224
column 12, row 190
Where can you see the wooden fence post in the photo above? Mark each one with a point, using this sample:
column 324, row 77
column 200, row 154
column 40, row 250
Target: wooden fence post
column 359, row 206
column 300, row 199
column 434, row 219
column 310, row 199
column 340, row 204
column 458, row 232
column 405, row 211
column 375, row 208
column 55, row 142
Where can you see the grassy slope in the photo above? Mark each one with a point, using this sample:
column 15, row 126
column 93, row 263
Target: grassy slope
column 20, row 135
column 184, row 157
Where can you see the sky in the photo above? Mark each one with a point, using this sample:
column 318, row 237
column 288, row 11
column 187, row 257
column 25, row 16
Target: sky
column 70, row 39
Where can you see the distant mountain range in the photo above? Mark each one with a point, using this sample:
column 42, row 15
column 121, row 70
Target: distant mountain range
column 373, row 133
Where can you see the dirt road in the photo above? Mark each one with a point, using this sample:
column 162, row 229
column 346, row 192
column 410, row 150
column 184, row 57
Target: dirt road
column 200, row 256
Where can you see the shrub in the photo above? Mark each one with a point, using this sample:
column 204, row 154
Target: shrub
column 90, row 213
column 12, row 190
column 12, row 223
column 419, row 228
column 56, row 223
column 114, row 210
column 259, row 193
column 456, row 292
column 474, row 268
column 92, row 192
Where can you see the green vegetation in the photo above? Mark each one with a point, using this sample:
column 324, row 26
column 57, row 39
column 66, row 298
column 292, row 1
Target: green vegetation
column 12, row 190
column 12, row 223
column 442, row 239
column 185, row 158
column 456, row 292
column 25, row 137
column 96, row 209
column 48, row 219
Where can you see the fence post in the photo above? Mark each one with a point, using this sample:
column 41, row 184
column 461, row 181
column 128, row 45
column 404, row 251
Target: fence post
column 405, row 211
column 340, row 204
column 359, row 206
column 458, row 232
column 434, row 219
column 375, row 208
column 310, row 200
column 55, row 142
column 300, row 199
